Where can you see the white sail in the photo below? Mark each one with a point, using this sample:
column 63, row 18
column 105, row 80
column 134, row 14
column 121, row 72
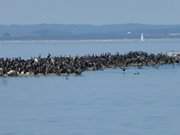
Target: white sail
column 142, row 37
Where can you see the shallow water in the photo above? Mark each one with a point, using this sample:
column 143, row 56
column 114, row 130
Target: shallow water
column 139, row 101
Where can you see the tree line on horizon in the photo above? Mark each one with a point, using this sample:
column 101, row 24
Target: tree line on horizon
column 78, row 31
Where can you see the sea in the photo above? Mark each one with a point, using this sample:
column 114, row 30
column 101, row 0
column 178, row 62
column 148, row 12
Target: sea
column 142, row 101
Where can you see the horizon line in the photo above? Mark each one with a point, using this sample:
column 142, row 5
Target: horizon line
column 14, row 24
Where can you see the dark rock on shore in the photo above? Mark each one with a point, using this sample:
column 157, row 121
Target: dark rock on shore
column 77, row 65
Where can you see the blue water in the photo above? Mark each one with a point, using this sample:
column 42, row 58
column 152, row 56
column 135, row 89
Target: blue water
column 110, row 102
column 28, row 49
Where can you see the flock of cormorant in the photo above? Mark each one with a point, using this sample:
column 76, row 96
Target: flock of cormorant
column 65, row 65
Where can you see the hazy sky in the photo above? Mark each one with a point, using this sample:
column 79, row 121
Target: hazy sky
column 89, row 11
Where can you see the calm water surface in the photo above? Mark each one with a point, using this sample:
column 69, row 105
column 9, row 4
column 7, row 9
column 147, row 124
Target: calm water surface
column 28, row 49
column 111, row 102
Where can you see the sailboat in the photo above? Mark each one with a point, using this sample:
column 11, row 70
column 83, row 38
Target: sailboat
column 142, row 37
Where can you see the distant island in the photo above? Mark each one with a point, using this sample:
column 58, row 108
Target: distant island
column 87, row 32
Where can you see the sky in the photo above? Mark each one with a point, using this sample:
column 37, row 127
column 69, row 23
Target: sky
column 96, row 12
